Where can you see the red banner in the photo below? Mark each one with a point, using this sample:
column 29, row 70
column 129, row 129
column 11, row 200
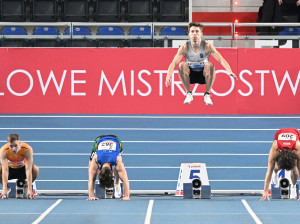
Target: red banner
column 132, row 81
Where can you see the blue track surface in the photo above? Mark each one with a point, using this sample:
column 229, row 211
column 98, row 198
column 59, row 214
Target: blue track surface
column 165, row 210
column 234, row 148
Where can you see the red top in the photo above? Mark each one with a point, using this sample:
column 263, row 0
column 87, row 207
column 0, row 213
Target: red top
column 287, row 138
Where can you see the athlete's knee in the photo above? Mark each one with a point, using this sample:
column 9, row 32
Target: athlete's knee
column 35, row 170
column 209, row 66
column 184, row 68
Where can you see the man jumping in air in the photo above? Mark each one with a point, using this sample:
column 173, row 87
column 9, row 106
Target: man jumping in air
column 197, row 68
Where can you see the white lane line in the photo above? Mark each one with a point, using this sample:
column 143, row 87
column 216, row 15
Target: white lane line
column 149, row 212
column 53, row 141
column 150, row 180
column 42, row 216
column 253, row 215
column 156, row 154
column 157, row 167
column 147, row 117
column 148, row 129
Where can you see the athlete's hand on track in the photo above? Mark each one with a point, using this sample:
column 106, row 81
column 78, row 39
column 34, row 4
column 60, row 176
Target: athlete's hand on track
column 125, row 199
column 92, row 199
column 265, row 196
column 30, row 195
column 4, row 196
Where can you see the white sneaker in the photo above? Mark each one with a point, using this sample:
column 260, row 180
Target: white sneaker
column 293, row 194
column 275, row 181
column 188, row 98
column 118, row 191
column 207, row 99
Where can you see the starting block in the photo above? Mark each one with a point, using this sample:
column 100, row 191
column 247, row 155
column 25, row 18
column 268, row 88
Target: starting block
column 283, row 191
column 193, row 181
column 190, row 192
column 18, row 189
column 106, row 193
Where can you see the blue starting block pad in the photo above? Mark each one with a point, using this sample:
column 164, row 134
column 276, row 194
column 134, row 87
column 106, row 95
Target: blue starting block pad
column 275, row 192
column 12, row 185
column 190, row 193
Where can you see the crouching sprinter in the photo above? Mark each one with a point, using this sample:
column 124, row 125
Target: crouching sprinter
column 106, row 162
column 17, row 163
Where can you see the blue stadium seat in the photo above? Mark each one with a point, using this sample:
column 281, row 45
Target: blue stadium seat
column 110, row 30
column 140, row 31
column 78, row 30
column 290, row 31
column 13, row 30
column 170, row 31
column 46, row 42
column 173, row 30
column 46, row 31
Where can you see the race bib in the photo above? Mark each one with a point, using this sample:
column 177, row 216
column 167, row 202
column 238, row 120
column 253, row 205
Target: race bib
column 107, row 145
column 287, row 137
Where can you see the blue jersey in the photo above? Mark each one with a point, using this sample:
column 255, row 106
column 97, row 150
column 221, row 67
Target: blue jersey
column 108, row 149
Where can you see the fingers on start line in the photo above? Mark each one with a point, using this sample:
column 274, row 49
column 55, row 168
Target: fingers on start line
column 3, row 196
column 92, row 199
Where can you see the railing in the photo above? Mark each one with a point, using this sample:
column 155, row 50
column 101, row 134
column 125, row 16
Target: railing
column 155, row 32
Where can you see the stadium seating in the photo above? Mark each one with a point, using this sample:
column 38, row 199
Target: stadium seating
column 83, row 31
column 46, row 42
column 13, row 10
column 171, row 10
column 170, row 31
column 107, row 10
column 9, row 30
column 110, row 30
column 44, row 10
column 140, row 31
column 139, row 10
column 290, row 31
column 75, row 10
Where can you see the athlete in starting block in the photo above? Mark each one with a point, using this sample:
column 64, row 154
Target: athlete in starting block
column 284, row 154
column 17, row 163
column 106, row 161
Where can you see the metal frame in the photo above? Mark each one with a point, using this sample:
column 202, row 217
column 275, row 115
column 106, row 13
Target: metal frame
column 154, row 26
